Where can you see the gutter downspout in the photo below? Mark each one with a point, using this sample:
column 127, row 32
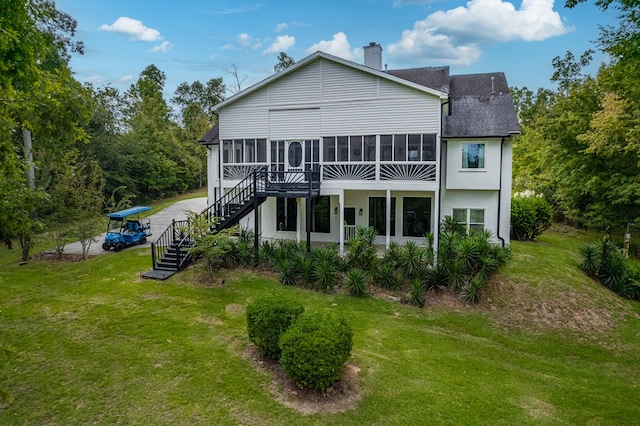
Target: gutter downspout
column 220, row 147
column 500, row 193
column 436, row 232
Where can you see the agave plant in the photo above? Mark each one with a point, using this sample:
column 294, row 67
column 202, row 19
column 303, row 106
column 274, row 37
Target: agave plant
column 471, row 291
column 467, row 250
column 456, row 274
column 590, row 260
column 304, row 267
column 413, row 259
column 355, row 281
column 286, row 272
column 417, row 293
column 265, row 255
column 385, row 275
column 392, row 254
column 324, row 273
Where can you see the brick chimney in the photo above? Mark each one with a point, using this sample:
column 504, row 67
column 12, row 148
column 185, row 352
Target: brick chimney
column 373, row 56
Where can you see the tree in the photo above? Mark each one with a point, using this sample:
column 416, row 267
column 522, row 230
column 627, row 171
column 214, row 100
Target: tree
column 196, row 102
column 234, row 72
column 42, row 107
column 284, row 62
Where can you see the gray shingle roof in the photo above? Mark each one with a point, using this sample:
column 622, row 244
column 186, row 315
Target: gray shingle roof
column 212, row 137
column 434, row 77
column 480, row 105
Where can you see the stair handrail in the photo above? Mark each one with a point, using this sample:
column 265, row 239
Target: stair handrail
column 160, row 247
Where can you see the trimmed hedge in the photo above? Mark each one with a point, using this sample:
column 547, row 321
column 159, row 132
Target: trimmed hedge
column 314, row 350
column 530, row 216
column 267, row 319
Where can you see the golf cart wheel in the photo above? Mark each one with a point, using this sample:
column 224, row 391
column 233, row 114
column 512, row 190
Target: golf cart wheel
column 105, row 246
column 119, row 247
column 143, row 240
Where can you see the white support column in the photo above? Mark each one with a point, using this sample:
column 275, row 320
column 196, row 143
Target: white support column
column 341, row 222
column 435, row 220
column 300, row 220
column 388, row 219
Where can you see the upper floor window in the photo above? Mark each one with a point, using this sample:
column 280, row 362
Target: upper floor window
column 349, row 148
column 473, row 155
column 244, row 151
column 412, row 147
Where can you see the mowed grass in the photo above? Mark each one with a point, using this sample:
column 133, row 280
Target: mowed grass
column 98, row 345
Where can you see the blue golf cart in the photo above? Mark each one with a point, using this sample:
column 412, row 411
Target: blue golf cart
column 125, row 228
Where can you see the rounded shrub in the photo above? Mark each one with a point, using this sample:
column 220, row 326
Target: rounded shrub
column 530, row 216
column 267, row 319
column 314, row 350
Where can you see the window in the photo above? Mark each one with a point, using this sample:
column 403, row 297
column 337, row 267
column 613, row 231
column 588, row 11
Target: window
column 295, row 154
column 349, row 148
column 244, row 151
column 473, row 156
column 286, row 214
column 413, row 147
column 417, row 216
column 473, row 219
column 329, row 149
column 378, row 214
column 321, row 219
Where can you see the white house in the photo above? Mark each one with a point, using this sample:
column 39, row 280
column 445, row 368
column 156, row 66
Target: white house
column 397, row 150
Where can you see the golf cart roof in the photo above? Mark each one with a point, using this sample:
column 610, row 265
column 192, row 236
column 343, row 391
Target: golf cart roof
column 128, row 212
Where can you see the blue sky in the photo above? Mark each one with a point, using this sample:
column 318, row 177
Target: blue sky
column 203, row 39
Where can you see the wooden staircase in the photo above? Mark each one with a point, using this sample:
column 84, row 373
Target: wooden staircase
column 170, row 252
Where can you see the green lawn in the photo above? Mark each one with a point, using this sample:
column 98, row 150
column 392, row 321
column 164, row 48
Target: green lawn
column 97, row 345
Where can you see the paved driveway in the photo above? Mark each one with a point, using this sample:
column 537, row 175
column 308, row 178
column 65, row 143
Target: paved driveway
column 159, row 222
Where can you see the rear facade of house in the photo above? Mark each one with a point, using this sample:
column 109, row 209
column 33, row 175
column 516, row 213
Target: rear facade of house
column 395, row 150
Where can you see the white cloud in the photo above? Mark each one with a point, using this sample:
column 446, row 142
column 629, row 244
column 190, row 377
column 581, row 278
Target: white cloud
column 94, row 79
column 282, row 44
column 133, row 28
column 281, row 27
column 456, row 35
column 338, row 46
column 163, row 47
column 125, row 79
column 243, row 40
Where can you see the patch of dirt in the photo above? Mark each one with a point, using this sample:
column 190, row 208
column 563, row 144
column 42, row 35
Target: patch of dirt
column 53, row 257
column 234, row 309
column 343, row 396
column 589, row 313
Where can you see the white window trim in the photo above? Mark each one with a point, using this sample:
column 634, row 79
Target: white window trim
column 467, row 222
column 472, row 170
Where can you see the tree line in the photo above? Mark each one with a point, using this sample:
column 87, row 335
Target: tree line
column 580, row 144
column 70, row 151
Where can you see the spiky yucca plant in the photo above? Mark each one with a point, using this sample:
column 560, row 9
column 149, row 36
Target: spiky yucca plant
column 355, row 281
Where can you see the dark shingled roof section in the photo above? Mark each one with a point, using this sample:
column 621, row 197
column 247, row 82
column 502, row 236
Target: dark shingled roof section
column 433, row 77
column 212, row 137
column 479, row 106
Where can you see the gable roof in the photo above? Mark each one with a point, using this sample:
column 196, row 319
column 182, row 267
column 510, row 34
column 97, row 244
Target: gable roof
column 480, row 105
column 322, row 55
